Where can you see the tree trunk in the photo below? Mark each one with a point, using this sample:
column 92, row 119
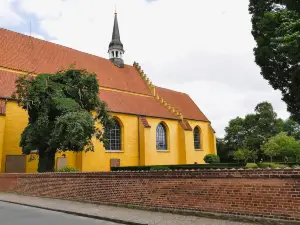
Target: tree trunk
column 46, row 161
column 271, row 158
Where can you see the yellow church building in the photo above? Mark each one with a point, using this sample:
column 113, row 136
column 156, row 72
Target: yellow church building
column 154, row 125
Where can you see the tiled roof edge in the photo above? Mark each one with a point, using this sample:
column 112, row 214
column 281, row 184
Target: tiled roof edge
column 152, row 88
column 187, row 125
column 144, row 122
column 3, row 107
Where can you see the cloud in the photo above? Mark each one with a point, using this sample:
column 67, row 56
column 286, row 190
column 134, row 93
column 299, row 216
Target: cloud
column 8, row 16
column 203, row 48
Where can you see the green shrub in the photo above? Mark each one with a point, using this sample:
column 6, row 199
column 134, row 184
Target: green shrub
column 252, row 165
column 263, row 165
column 181, row 167
column 154, row 168
column 272, row 165
column 290, row 164
column 276, row 165
column 211, row 158
column 67, row 169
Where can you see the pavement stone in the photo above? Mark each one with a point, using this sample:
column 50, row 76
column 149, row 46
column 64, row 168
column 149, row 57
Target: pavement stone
column 115, row 214
column 14, row 214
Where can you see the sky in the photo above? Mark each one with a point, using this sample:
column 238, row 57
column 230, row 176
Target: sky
column 203, row 48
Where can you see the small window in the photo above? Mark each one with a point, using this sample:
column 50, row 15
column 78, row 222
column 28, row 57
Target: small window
column 161, row 137
column 117, row 54
column 115, row 141
column 113, row 55
column 197, row 138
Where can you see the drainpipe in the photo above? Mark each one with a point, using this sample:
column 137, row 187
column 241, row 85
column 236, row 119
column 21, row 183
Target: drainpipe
column 139, row 153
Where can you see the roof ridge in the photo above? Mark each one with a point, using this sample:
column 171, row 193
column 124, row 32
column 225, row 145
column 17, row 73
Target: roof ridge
column 60, row 45
column 152, row 87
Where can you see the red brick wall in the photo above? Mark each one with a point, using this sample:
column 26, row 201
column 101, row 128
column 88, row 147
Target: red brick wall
column 264, row 193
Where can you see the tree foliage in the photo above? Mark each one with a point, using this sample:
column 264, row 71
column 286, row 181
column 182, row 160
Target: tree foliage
column 60, row 109
column 291, row 128
column 283, row 145
column 255, row 133
column 276, row 29
column 224, row 152
column 245, row 155
column 253, row 130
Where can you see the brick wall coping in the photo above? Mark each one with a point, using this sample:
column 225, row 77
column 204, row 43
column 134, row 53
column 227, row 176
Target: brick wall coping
column 187, row 174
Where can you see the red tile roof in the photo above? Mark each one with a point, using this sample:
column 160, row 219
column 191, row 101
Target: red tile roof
column 134, row 104
column 7, row 83
column 24, row 53
column 185, row 125
column 145, row 122
column 183, row 103
column 117, row 101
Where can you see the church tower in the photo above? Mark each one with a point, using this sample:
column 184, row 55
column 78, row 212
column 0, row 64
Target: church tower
column 115, row 49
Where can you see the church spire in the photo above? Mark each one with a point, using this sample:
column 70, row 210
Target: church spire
column 115, row 49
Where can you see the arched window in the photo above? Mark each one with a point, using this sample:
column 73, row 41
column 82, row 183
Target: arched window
column 161, row 137
column 113, row 55
column 117, row 55
column 197, row 138
column 115, row 137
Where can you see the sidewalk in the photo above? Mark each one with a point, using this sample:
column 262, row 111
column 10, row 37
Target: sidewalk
column 112, row 213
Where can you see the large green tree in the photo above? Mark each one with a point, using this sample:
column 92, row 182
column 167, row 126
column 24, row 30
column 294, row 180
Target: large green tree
column 245, row 155
column 60, row 110
column 253, row 130
column 276, row 30
column 292, row 128
column 283, row 145
column 224, row 152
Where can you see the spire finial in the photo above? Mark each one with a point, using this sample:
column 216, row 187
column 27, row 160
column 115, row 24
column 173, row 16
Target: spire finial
column 115, row 48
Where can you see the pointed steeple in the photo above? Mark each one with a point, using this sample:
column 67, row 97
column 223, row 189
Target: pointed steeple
column 115, row 49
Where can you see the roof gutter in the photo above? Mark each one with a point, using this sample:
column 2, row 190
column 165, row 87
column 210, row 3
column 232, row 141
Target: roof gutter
column 7, row 98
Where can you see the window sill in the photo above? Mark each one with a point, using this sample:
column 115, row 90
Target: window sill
column 199, row 150
column 114, row 151
column 165, row 151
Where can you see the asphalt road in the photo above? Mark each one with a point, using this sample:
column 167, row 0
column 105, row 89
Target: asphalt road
column 12, row 214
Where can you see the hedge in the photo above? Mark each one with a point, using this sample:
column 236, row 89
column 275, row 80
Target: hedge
column 290, row 164
column 178, row 167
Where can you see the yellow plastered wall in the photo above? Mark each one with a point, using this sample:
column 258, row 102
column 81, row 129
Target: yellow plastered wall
column 207, row 142
column 154, row 157
column 212, row 141
column 16, row 120
column 99, row 160
column 183, row 144
column 180, row 143
column 2, row 126
column 144, row 132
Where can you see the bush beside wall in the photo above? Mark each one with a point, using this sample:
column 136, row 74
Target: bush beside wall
column 180, row 167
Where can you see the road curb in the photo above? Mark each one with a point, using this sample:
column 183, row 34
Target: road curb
column 77, row 213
